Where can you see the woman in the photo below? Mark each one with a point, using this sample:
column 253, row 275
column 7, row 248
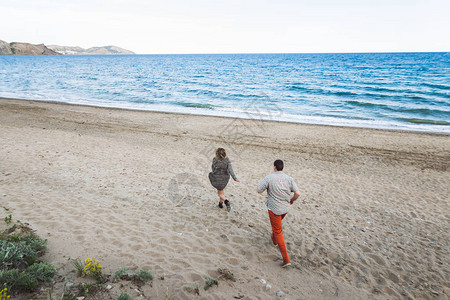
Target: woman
column 220, row 175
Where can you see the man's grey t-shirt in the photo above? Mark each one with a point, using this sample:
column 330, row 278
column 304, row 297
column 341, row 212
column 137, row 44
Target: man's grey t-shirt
column 279, row 188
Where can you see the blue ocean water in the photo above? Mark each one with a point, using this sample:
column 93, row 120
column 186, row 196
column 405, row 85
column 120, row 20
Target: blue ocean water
column 407, row 91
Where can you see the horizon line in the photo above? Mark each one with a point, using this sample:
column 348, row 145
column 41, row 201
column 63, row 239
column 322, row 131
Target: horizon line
column 221, row 53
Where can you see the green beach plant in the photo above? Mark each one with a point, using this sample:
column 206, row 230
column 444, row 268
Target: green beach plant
column 42, row 271
column 18, row 251
column 227, row 274
column 193, row 289
column 142, row 276
column 85, row 289
column 28, row 279
column 210, row 282
column 78, row 266
column 82, row 290
column 91, row 267
column 123, row 296
column 8, row 219
column 20, row 268
column 120, row 273
column 4, row 294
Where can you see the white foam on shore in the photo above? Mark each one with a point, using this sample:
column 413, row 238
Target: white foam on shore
column 252, row 113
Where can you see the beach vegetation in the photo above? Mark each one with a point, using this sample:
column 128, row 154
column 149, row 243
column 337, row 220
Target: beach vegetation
column 210, row 282
column 120, row 273
column 8, row 219
column 123, row 296
column 227, row 274
column 193, row 289
column 29, row 279
column 79, row 266
column 81, row 290
column 91, row 268
column 85, row 289
column 140, row 276
column 20, row 267
column 4, row 294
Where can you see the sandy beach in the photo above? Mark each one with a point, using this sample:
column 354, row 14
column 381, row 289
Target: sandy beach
column 131, row 189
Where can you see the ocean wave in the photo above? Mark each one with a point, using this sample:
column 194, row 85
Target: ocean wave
column 296, row 87
column 365, row 104
column 242, row 95
column 415, row 97
column 87, row 77
column 196, row 83
column 436, row 86
column 343, row 93
column 419, row 111
column 202, row 92
column 425, row 121
column 346, row 117
column 195, row 105
column 439, row 94
column 150, row 84
column 438, row 98
column 338, row 93
column 423, row 95
column 378, row 89
column 424, row 111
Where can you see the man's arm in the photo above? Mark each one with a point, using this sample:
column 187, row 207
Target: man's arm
column 262, row 186
column 295, row 197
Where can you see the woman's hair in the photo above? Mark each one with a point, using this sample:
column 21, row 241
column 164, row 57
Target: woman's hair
column 221, row 154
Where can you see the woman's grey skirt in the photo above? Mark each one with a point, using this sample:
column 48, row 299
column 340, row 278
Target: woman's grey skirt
column 219, row 181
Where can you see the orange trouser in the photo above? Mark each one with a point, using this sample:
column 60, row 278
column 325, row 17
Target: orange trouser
column 277, row 234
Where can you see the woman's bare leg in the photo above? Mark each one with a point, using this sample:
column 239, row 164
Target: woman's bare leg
column 221, row 194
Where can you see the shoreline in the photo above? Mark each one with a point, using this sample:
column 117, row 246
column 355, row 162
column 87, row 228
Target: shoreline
column 230, row 117
column 131, row 188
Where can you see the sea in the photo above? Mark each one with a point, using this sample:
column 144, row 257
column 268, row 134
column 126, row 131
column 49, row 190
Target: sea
column 399, row 91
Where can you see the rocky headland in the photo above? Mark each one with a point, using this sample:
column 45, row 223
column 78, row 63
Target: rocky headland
column 17, row 48
column 67, row 50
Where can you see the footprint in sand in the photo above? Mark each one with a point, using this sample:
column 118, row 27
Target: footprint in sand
column 237, row 240
column 80, row 238
column 232, row 261
column 379, row 260
column 194, row 277
column 392, row 277
column 136, row 247
column 225, row 250
column 364, row 248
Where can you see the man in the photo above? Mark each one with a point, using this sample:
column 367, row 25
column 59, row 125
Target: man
column 279, row 188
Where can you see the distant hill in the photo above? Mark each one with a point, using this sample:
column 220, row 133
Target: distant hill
column 24, row 49
column 5, row 48
column 92, row 50
column 16, row 48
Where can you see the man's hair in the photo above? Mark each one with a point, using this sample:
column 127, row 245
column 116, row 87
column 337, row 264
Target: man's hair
column 279, row 165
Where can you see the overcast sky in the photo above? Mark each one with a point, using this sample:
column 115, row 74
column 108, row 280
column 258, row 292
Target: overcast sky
column 231, row 26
